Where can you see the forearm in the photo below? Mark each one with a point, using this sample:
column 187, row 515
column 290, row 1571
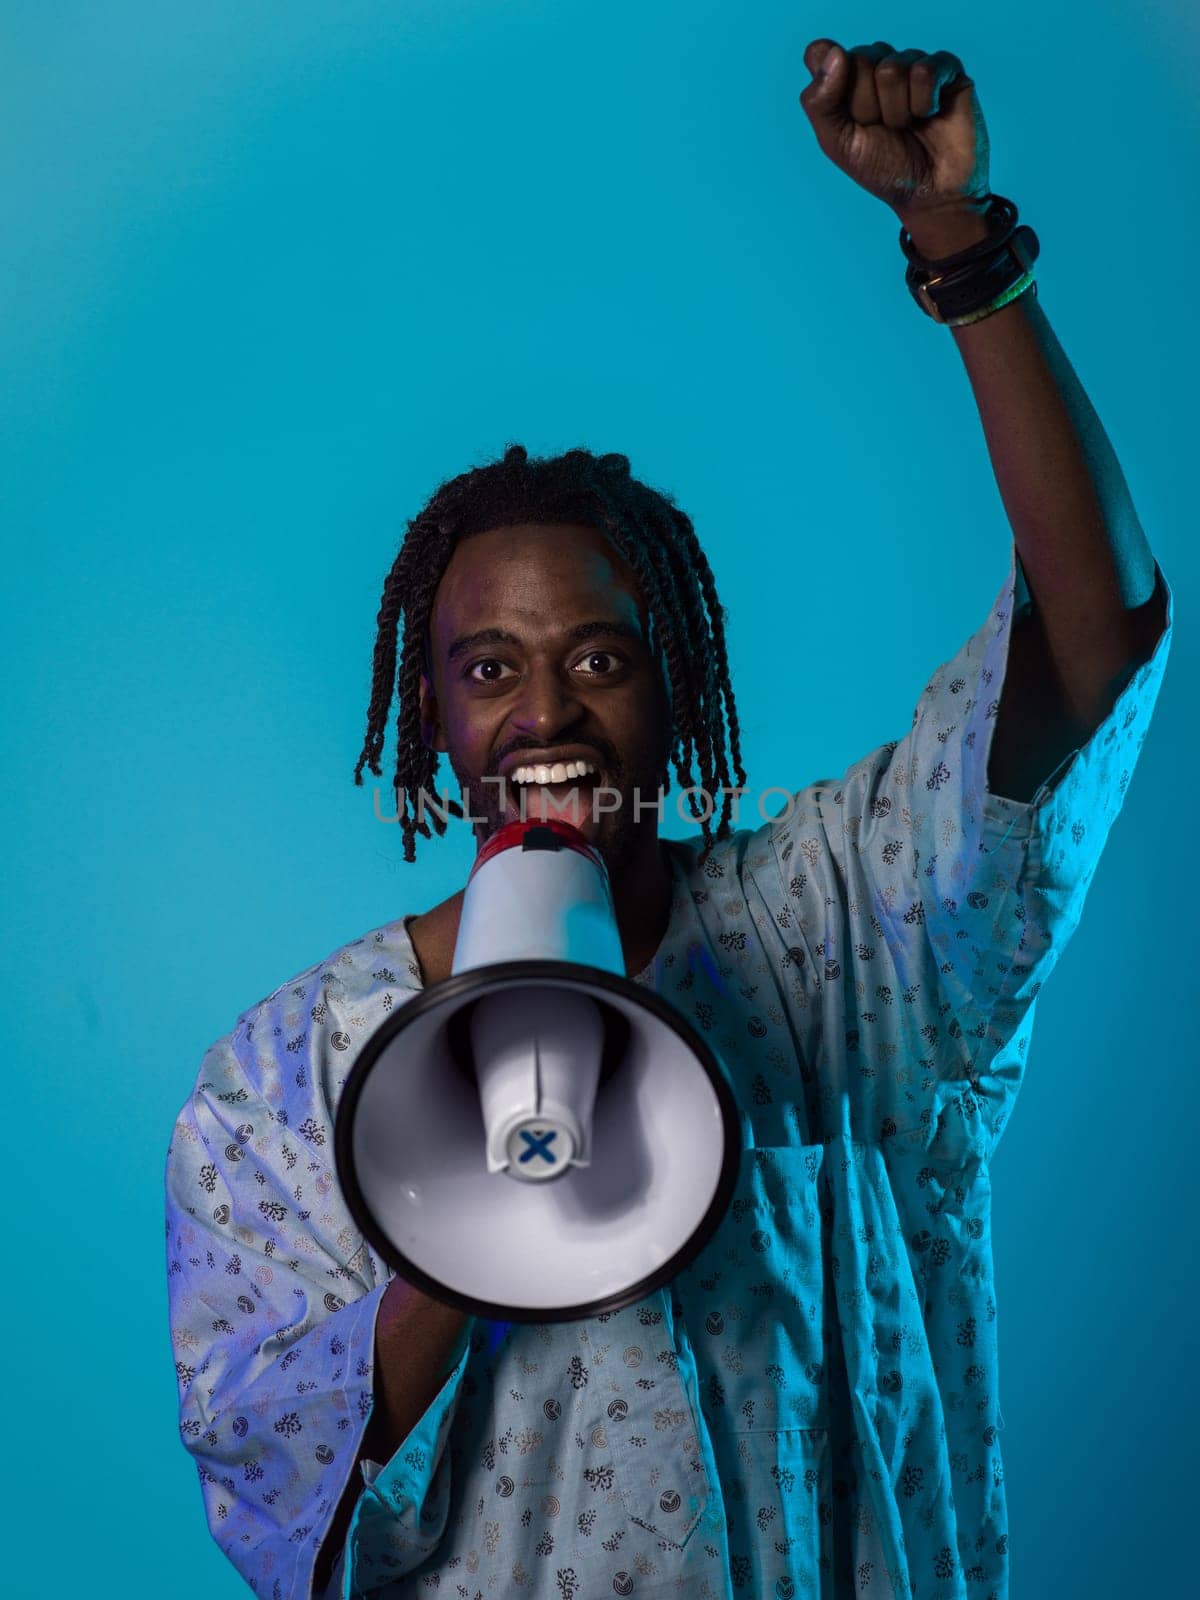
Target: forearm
column 1085, row 555
column 415, row 1339
column 416, row 1343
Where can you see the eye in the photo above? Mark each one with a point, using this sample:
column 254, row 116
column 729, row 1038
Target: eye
column 489, row 669
column 491, row 677
column 601, row 655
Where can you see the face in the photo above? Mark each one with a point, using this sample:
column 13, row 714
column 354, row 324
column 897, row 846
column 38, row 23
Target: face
column 538, row 638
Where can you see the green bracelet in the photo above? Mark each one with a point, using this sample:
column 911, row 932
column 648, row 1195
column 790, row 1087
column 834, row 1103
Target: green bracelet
column 1010, row 293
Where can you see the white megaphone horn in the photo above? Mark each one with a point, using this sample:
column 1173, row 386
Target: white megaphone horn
column 537, row 1138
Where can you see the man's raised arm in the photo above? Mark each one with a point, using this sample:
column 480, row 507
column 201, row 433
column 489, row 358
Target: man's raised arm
column 908, row 127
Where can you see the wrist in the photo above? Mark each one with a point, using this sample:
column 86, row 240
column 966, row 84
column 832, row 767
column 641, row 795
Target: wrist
column 937, row 232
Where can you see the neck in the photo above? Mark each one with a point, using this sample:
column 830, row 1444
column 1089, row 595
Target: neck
column 641, row 888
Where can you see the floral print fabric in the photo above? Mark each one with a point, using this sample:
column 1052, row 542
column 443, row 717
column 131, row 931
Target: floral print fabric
column 812, row 1407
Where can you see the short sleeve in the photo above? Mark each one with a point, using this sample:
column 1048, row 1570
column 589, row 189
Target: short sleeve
column 953, row 903
column 274, row 1294
column 272, row 1323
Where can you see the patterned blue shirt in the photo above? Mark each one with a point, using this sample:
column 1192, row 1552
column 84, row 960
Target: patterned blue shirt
column 812, row 1407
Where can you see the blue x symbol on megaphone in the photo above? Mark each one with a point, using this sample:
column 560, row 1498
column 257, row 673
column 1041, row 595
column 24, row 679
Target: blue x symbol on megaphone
column 538, row 1145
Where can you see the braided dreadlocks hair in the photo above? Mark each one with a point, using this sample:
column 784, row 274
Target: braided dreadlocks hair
column 659, row 544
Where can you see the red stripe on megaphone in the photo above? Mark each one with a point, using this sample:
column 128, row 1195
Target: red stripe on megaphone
column 513, row 834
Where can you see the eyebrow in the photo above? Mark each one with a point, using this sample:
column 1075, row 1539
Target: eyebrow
column 576, row 635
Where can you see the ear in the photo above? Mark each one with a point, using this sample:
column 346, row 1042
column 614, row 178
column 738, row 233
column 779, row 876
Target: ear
column 432, row 735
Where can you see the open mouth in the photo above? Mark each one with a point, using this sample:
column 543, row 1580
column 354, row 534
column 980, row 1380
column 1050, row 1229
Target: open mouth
column 541, row 793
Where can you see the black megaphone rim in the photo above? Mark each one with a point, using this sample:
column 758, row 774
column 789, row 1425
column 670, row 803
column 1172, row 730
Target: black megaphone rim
column 460, row 987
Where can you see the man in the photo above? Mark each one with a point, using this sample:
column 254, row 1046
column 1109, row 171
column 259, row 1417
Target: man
column 811, row 1408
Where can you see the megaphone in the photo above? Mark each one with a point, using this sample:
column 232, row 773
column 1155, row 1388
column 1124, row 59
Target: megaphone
column 537, row 1138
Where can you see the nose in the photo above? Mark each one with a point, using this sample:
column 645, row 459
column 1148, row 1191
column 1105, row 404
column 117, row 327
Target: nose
column 548, row 704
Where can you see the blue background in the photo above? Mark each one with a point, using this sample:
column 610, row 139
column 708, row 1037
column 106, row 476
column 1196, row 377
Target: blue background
column 271, row 272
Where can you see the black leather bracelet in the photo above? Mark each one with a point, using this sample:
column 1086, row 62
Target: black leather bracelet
column 972, row 283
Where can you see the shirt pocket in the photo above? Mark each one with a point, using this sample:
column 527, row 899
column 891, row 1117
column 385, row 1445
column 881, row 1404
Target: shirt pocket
column 754, row 1299
column 650, row 1427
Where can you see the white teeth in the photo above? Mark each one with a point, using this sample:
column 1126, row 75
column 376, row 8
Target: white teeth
column 560, row 772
